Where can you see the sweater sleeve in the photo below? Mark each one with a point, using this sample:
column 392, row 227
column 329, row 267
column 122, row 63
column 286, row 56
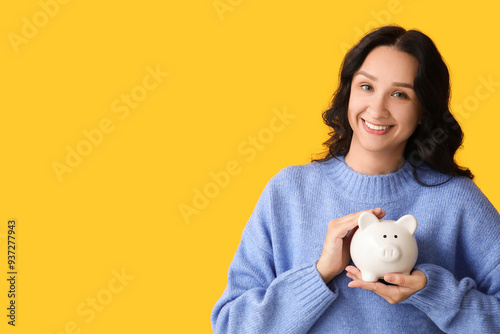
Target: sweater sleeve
column 256, row 299
column 457, row 306
column 467, row 298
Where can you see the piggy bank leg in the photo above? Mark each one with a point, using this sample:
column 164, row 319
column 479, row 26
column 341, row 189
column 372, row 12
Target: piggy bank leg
column 369, row 277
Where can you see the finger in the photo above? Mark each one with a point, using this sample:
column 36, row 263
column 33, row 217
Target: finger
column 353, row 270
column 394, row 293
column 354, row 218
column 377, row 212
column 398, row 279
column 355, row 215
column 353, row 273
column 341, row 227
column 363, row 285
column 351, row 220
column 380, row 214
column 415, row 281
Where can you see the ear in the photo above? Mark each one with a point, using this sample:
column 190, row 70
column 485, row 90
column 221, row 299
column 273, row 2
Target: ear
column 408, row 221
column 365, row 219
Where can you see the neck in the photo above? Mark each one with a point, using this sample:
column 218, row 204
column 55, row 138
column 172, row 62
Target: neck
column 375, row 163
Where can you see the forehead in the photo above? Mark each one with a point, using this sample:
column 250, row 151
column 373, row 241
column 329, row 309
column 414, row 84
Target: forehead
column 391, row 64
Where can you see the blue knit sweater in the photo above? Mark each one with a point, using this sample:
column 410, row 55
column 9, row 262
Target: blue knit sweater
column 274, row 286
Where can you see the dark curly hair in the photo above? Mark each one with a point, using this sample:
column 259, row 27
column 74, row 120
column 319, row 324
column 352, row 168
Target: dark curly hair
column 436, row 140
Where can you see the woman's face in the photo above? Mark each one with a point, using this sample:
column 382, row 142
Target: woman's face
column 383, row 108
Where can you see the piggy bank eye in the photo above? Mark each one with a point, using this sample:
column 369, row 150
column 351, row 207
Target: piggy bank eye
column 395, row 235
column 385, row 236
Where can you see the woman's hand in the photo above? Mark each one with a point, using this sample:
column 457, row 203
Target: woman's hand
column 404, row 285
column 336, row 249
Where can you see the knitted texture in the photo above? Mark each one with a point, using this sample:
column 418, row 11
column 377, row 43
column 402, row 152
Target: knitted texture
column 274, row 286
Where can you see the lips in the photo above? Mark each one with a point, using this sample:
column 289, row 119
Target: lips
column 376, row 129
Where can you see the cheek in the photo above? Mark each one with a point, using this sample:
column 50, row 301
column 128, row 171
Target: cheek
column 351, row 117
column 408, row 118
column 353, row 110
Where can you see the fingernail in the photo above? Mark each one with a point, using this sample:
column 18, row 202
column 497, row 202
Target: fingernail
column 389, row 278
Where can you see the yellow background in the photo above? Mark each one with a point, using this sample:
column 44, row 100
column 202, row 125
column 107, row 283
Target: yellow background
column 228, row 73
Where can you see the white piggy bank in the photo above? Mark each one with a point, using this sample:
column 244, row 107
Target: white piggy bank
column 384, row 246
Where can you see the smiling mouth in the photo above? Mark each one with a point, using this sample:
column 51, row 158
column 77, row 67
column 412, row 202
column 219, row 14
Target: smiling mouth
column 377, row 127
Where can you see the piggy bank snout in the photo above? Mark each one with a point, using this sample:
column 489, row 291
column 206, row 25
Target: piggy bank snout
column 389, row 253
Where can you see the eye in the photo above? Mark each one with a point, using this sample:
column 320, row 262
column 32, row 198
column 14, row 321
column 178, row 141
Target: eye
column 395, row 236
column 385, row 236
column 400, row 95
column 366, row 87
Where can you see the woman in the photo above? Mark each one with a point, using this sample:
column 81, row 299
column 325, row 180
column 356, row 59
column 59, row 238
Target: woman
column 391, row 152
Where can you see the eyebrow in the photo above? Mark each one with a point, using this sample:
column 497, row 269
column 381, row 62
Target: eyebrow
column 371, row 77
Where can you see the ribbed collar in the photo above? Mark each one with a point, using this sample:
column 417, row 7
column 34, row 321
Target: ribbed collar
column 375, row 189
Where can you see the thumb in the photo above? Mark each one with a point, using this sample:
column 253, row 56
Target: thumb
column 416, row 280
column 397, row 279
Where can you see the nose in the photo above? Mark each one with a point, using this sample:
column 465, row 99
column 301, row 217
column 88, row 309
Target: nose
column 390, row 253
column 377, row 107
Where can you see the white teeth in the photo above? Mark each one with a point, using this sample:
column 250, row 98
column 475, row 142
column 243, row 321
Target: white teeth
column 376, row 127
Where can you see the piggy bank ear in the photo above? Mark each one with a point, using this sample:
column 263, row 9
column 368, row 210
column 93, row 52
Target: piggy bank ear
column 365, row 219
column 408, row 221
